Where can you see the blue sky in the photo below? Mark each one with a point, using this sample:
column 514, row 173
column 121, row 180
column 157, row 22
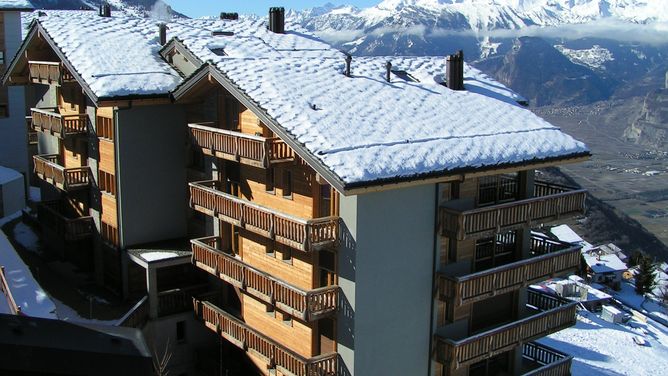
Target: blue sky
column 199, row 8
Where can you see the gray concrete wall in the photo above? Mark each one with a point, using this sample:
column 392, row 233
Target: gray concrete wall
column 13, row 136
column 151, row 155
column 12, row 195
column 386, row 265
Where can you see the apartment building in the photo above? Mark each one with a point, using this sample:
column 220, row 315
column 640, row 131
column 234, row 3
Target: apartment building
column 367, row 215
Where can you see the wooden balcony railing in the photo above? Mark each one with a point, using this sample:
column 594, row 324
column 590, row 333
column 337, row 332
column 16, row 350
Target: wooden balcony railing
column 136, row 316
column 32, row 134
column 52, row 215
column 306, row 305
column 67, row 179
column 178, row 300
column 4, row 287
column 550, row 362
column 236, row 146
column 49, row 72
column 303, row 234
column 510, row 277
column 49, row 121
column 275, row 355
column 504, row 338
column 550, row 202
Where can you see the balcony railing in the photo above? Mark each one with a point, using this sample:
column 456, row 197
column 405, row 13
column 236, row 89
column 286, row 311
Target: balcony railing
column 510, row 277
column 274, row 354
column 67, row 179
column 236, row 146
column 32, row 134
column 178, row 300
column 49, row 121
column 49, row 72
column 136, row 316
column 306, row 305
column 52, row 215
column 504, row 338
column 4, row 287
column 549, row 362
column 303, row 234
column 550, row 201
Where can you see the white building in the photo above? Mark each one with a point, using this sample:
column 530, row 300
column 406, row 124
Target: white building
column 604, row 268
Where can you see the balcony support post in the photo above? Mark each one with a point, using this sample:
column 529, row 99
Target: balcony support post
column 152, row 291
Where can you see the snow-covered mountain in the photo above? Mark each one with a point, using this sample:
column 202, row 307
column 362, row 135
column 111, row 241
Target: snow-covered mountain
column 139, row 8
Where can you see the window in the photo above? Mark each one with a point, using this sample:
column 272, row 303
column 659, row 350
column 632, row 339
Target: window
column 497, row 189
column 2, row 57
column 452, row 250
column 180, row 331
column 231, row 113
column 286, row 254
column 4, row 110
column 107, row 183
column 109, row 234
column 287, row 184
column 105, row 127
column 269, row 181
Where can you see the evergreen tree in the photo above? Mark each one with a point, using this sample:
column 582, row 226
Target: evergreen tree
column 645, row 279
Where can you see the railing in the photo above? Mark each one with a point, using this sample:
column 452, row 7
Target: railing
column 492, row 342
column 4, row 286
column 248, row 149
column 274, row 354
column 306, row 305
column 49, row 121
column 303, row 234
column 541, row 245
column 49, row 72
column 48, row 169
column 552, row 362
column 51, row 215
column 32, row 135
column 551, row 202
column 136, row 316
column 177, row 300
column 510, row 277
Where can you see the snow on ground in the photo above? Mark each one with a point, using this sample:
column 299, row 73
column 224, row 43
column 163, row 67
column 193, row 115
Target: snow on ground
column 26, row 237
column 9, row 218
column 26, row 291
column 648, row 306
column 35, row 194
column 66, row 313
column 603, row 348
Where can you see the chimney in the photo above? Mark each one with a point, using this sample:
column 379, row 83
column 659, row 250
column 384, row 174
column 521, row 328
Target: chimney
column 277, row 20
column 229, row 16
column 349, row 59
column 388, row 68
column 454, row 71
column 105, row 10
column 162, row 27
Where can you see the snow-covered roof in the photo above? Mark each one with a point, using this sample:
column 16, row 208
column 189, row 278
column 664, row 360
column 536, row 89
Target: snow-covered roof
column 7, row 175
column 16, row 5
column 361, row 128
column 566, row 234
column 604, row 263
column 365, row 129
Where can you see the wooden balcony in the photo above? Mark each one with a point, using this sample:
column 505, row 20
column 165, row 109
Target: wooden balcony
column 14, row 308
column 236, row 146
column 544, row 361
column 53, row 215
column 458, row 353
column 276, row 356
column 32, row 134
column 306, row 305
column 553, row 259
column 550, row 202
column 48, row 120
column 48, row 169
column 49, row 72
column 178, row 300
column 136, row 316
column 302, row 234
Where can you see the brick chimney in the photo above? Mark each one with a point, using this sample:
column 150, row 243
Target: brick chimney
column 277, row 20
column 105, row 10
column 162, row 29
column 454, row 71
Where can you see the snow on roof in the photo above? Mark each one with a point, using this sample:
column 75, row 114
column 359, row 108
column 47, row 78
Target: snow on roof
column 364, row 128
column 16, row 4
column 604, row 263
column 155, row 256
column 566, row 234
column 7, row 175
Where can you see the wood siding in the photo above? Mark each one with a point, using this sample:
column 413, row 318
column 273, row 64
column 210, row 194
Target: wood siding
column 109, row 214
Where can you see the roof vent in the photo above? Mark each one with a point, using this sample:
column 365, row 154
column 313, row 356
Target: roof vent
column 277, row 20
column 349, row 59
column 163, row 33
column 229, row 16
column 218, row 33
column 105, row 10
column 454, row 71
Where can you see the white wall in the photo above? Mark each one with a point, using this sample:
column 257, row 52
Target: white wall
column 12, row 192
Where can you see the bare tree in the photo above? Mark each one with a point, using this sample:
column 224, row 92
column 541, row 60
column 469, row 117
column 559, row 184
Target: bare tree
column 161, row 362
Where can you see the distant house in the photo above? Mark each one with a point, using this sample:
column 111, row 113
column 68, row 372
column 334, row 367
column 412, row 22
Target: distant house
column 604, row 268
column 566, row 234
column 575, row 289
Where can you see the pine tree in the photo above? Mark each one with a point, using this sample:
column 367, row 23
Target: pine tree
column 645, row 279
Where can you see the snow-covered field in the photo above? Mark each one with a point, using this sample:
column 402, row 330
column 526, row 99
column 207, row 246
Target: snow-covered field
column 603, row 348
